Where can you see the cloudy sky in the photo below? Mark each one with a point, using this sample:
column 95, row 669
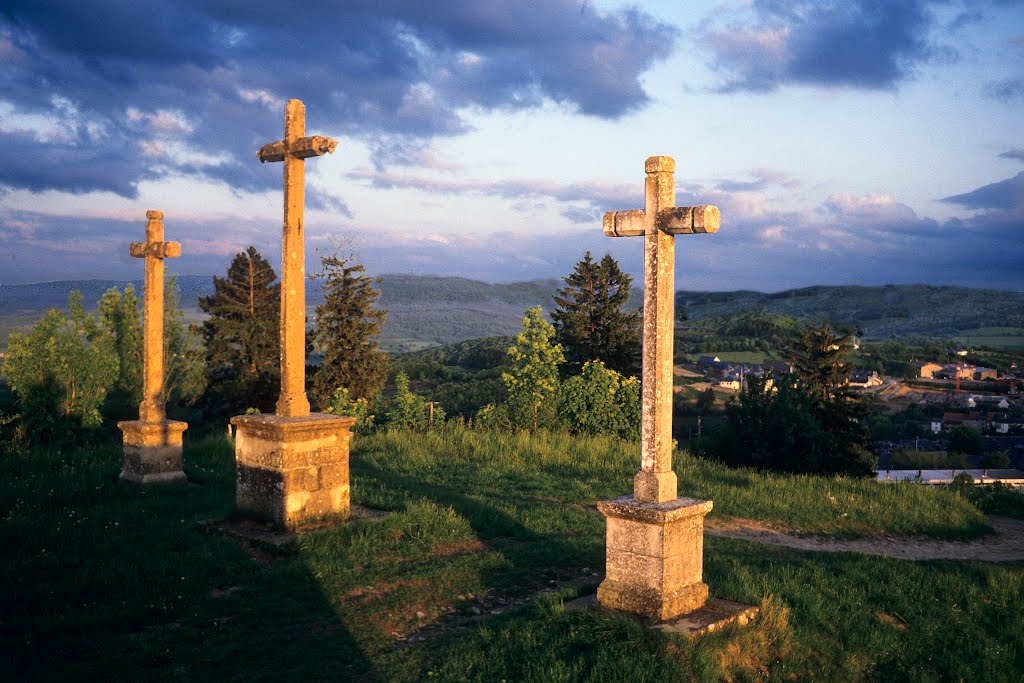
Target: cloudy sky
column 845, row 142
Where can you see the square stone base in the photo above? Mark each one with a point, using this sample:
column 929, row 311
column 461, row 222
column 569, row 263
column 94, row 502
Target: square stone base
column 292, row 471
column 152, row 451
column 654, row 557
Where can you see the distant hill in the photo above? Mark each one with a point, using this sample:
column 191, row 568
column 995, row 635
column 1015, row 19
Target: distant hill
column 425, row 311
column 880, row 312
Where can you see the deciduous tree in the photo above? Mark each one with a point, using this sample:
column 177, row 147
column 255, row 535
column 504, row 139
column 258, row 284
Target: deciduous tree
column 61, row 371
column 532, row 379
column 600, row 401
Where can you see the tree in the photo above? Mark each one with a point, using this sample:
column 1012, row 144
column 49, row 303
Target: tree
column 789, row 429
column 589, row 319
column 62, row 370
column 409, row 409
column 346, row 324
column 242, row 333
column 965, row 440
column 532, row 379
column 120, row 314
column 705, row 401
column 600, row 401
column 184, row 364
column 818, row 358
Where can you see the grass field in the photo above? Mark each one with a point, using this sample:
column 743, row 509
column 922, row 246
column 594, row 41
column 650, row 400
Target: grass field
column 464, row 579
column 749, row 357
column 1006, row 338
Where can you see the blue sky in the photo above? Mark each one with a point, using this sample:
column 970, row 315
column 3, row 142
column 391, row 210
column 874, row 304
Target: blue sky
column 847, row 142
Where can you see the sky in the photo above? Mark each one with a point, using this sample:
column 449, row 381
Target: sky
column 849, row 142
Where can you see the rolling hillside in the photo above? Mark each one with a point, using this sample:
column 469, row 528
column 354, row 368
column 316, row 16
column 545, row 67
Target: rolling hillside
column 426, row 311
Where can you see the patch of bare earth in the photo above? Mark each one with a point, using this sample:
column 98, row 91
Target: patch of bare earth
column 1005, row 545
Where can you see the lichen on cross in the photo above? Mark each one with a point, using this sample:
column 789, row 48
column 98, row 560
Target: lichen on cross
column 293, row 150
column 658, row 222
column 154, row 250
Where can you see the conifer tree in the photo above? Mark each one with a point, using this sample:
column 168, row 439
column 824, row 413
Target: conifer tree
column 590, row 320
column 241, row 334
column 818, row 358
column 346, row 324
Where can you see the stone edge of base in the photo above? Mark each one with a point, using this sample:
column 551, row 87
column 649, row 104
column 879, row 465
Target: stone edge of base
column 177, row 477
column 714, row 615
column 279, row 427
column 627, row 507
column 652, row 603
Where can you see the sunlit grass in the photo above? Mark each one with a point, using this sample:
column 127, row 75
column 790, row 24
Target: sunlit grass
column 486, row 535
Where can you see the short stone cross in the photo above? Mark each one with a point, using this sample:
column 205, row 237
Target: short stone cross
column 293, row 150
column 658, row 222
column 154, row 250
column 153, row 444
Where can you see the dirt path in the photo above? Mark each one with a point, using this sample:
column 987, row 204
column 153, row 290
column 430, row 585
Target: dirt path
column 1005, row 545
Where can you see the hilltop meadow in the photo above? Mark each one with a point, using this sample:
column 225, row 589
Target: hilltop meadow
column 484, row 539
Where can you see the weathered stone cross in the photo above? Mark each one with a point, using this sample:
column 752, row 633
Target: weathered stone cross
column 293, row 151
column 658, row 222
column 154, row 250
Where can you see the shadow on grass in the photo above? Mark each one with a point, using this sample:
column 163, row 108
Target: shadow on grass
column 104, row 580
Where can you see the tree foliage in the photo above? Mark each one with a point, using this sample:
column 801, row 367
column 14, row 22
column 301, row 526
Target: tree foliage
column 346, row 326
column 532, row 379
column 408, row 409
column 807, row 422
column 241, row 335
column 184, row 362
column 600, row 401
column 818, row 358
column 62, row 370
column 590, row 321
column 791, row 430
column 120, row 313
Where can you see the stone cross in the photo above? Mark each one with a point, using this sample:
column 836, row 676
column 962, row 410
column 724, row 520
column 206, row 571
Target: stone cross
column 658, row 222
column 293, row 151
column 154, row 250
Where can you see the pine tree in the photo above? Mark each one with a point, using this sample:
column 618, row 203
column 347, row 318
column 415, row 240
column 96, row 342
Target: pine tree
column 818, row 358
column 589, row 319
column 241, row 335
column 532, row 381
column 346, row 324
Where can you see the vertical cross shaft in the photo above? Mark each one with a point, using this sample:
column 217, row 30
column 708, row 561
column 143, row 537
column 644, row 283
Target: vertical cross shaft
column 154, row 250
column 656, row 482
column 659, row 222
column 293, row 151
column 293, row 401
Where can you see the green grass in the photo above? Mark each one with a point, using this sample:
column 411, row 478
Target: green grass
column 487, row 534
column 1007, row 338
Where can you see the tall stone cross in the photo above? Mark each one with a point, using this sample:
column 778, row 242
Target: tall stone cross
column 658, row 222
column 293, row 151
column 154, row 250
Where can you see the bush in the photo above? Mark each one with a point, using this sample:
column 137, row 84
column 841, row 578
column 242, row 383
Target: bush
column 600, row 401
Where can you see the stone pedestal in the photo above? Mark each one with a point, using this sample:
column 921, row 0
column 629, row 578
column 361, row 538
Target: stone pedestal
column 655, row 557
column 152, row 451
column 292, row 470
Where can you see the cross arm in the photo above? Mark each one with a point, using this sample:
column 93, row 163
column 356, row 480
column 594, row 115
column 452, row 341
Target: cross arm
column 686, row 220
column 302, row 148
column 624, row 223
column 155, row 249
